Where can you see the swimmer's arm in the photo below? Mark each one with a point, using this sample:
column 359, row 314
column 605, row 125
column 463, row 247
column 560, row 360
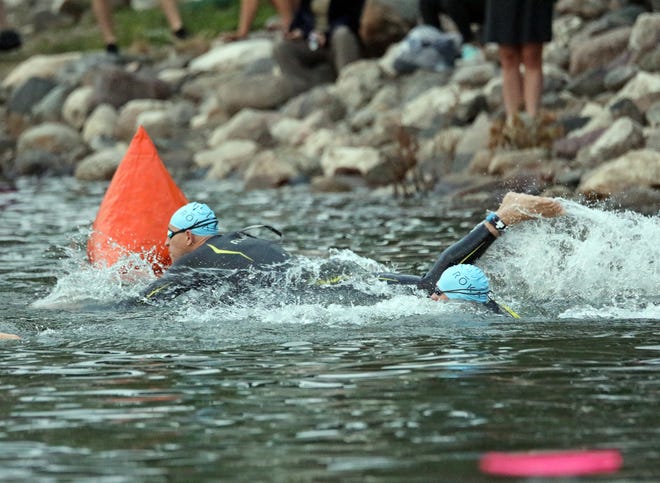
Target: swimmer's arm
column 8, row 336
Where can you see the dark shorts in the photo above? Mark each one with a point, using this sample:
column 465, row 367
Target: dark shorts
column 515, row 22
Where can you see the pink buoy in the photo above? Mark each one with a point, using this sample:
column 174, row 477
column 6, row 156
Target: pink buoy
column 551, row 463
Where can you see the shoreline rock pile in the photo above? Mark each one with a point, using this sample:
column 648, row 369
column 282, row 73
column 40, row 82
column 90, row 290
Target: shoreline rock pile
column 226, row 112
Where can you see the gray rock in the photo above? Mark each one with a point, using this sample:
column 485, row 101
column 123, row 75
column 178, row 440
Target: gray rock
column 627, row 108
column 474, row 75
column 268, row 170
column 650, row 61
column 100, row 123
column 53, row 138
column 50, row 106
column 569, row 147
column 508, row 161
column 357, row 83
column 43, row 66
column 598, row 51
column 653, row 114
column 581, row 8
column 616, row 78
column 115, row 86
column 227, row 157
column 37, row 162
column 127, row 122
column 99, row 166
column 637, row 198
column 645, row 35
column 353, row 160
column 256, row 92
column 247, row 124
column 589, row 83
column 318, row 98
column 634, row 169
column 643, row 84
column 622, row 136
column 23, row 99
column 653, row 139
column 474, row 139
column 77, row 106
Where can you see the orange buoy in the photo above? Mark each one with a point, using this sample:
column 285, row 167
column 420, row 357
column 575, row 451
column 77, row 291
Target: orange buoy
column 136, row 208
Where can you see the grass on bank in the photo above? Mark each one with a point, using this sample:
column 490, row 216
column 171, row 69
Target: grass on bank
column 205, row 19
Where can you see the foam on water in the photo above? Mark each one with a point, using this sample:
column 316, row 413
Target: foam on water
column 608, row 261
column 83, row 283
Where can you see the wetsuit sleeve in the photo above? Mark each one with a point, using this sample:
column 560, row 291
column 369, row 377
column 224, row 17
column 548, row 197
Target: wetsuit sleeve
column 173, row 283
column 466, row 250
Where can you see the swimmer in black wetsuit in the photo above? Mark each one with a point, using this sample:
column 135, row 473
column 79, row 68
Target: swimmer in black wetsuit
column 198, row 246
column 468, row 282
column 202, row 256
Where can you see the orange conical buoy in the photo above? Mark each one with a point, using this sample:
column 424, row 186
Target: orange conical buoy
column 136, row 208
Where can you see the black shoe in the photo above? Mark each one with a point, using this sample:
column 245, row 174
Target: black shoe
column 112, row 49
column 9, row 40
column 181, row 33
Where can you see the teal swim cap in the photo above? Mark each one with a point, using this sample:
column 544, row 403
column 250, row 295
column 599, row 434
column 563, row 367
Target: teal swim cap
column 196, row 217
column 464, row 282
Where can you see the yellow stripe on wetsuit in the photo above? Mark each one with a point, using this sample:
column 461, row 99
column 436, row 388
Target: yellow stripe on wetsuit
column 155, row 291
column 219, row 251
column 469, row 255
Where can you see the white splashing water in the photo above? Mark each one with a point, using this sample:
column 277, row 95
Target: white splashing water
column 585, row 263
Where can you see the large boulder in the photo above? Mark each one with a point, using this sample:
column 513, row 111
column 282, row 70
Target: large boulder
column 268, row 170
column 598, row 50
column 621, row 137
column 639, row 168
column 44, row 66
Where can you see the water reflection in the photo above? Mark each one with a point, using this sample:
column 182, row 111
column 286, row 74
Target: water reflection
column 399, row 390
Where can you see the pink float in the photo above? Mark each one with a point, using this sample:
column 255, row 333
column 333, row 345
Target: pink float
column 551, row 463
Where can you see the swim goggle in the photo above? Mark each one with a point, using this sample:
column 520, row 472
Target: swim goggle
column 462, row 291
column 489, row 294
column 199, row 224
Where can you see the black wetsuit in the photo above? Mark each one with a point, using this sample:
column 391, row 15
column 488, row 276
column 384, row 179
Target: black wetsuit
column 466, row 250
column 222, row 257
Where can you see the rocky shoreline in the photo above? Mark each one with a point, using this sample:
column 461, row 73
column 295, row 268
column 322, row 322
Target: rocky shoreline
column 225, row 112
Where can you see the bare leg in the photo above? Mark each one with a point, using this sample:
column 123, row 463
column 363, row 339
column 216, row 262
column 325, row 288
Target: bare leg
column 246, row 17
column 103, row 15
column 285, row 9
column 532, row 59
column 512, row 86
column 171, row 9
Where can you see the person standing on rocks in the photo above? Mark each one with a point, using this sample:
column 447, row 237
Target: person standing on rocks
column 103, row 12
column 322, row 39
column 520, row 27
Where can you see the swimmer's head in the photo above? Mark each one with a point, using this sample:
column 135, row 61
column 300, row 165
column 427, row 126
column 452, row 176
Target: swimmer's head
column 463, row 282
column 196, row 217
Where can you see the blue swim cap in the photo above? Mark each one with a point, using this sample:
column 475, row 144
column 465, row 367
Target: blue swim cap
column 464, row 282
column 196, row 217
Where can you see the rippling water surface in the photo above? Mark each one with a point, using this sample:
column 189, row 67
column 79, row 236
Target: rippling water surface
column 273, row 388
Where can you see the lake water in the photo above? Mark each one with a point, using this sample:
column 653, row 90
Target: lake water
column 270, row 387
